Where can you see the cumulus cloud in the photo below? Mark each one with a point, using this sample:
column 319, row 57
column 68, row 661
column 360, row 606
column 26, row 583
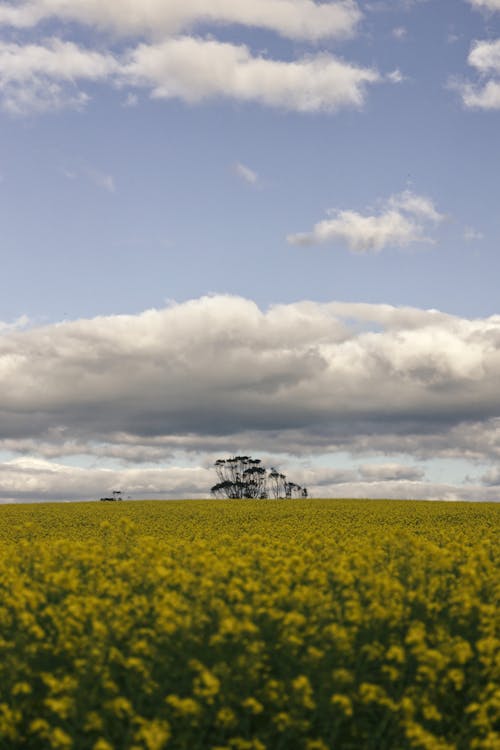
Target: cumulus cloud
column 195, row 69
column 485, row 56
column 295, row 19
column 41, row 77
column 485, row 93
column 402, row 221
column 46, row 76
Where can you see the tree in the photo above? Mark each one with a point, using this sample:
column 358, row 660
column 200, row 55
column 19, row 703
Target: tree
column 246, row 477
column 277, row 482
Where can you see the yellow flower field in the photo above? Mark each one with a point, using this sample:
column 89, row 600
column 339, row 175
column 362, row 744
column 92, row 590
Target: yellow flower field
column 250, row 625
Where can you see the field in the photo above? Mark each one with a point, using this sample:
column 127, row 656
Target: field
column 250, row 625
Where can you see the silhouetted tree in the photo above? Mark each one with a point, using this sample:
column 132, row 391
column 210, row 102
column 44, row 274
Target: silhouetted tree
column 246, row 477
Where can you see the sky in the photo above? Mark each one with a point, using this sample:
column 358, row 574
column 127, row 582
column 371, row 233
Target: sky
column 267, row 227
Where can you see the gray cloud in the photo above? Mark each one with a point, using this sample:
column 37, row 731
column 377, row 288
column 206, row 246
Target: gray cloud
column 218, row 369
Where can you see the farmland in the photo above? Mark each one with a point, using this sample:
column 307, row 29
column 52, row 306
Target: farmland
column 250, row 625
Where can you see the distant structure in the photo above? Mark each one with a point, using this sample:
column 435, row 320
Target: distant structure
column 117, row 495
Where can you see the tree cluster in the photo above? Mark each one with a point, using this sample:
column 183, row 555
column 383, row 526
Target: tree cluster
column 246, row 477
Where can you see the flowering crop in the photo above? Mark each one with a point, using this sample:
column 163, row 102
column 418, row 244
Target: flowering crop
column 250, row 625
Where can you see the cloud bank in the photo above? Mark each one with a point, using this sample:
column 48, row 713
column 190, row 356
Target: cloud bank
column 130, row 395
column 219, row 366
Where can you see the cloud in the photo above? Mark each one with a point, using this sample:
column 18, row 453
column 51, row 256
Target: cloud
column 38, row 78
column 481, row 97
column 31, row 480
column 44, row 77
column 400, row 32
column 101, row 179
column 129, row 394
column 395, row 76
column 295, row 19
column 485, row 56
column 485, row 94
column 391, row 472
column 472, row 235
column 19, row 323
column 485, row 4
column 195, row 69
column 402, row 221
column 28, row 479
column 492, row 478
column 198, row 373
column 245, row 173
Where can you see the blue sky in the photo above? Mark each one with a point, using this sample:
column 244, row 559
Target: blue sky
column 214, row 161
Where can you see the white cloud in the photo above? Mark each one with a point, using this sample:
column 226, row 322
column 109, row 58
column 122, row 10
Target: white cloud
column 296, row 19
column 401, row 221
column 131, row 100
column 485, row 56
column 35, row 479
column 19, row 323
column 395, row 76
column 196, row 69
column 485, row 94
column 417, row 205
column 472, row 235
column 41, row 77
column 485, row 4
column 245, row 173
column 400, row 32
column 101, row 179
column 481, row 97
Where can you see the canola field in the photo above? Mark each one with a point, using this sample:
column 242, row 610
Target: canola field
column 250, row 625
